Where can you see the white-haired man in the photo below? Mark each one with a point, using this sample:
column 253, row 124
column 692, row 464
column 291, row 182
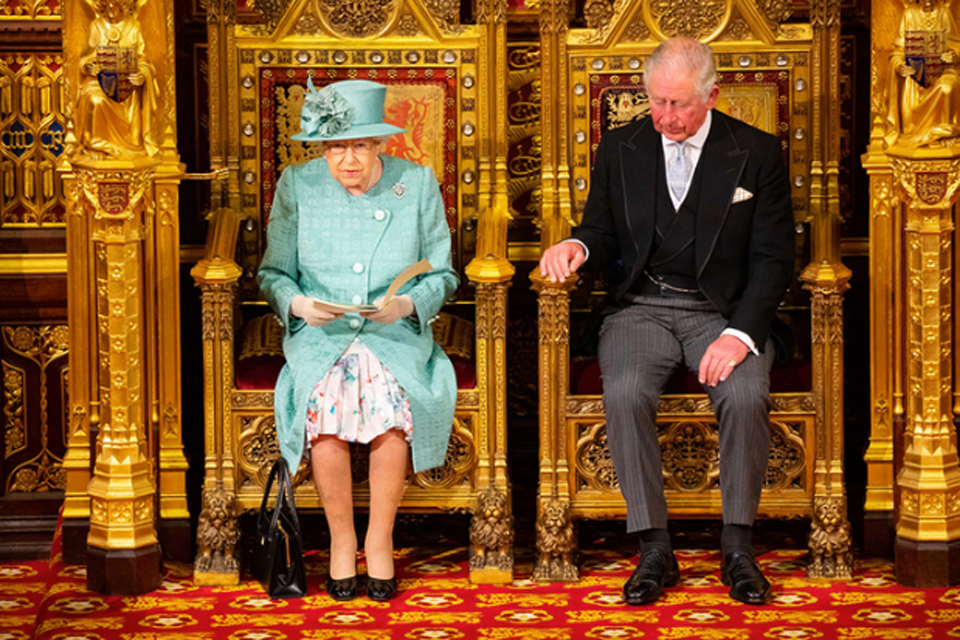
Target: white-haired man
column 695, row 205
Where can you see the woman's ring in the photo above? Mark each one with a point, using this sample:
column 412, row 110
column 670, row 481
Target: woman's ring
column 732, row 364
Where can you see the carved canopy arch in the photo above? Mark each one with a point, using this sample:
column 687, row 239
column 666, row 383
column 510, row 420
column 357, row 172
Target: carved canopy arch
column 611, row 22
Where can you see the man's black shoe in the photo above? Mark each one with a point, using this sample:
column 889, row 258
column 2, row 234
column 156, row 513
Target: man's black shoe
column 742, row 573
column 654, row 571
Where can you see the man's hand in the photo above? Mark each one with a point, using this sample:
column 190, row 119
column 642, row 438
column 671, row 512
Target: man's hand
column 560, row 260
column 720, row 359
column 302, row 307
column 398, row 307
column 948, row 57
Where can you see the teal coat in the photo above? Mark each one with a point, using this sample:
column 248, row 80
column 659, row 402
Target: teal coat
column 325, row 243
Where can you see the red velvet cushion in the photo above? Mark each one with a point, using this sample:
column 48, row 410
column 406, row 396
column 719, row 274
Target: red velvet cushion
column 790, row 377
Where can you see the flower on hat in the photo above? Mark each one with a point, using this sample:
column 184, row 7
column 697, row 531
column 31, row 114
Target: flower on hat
column 325, row 112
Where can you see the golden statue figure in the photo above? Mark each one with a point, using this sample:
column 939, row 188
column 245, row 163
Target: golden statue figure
column 119, row 90
column 923, row 100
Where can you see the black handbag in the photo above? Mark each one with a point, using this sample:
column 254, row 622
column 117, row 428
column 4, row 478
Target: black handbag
column 278, row 553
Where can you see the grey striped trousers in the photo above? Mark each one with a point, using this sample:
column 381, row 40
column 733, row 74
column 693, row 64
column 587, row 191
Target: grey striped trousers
column 640, row 347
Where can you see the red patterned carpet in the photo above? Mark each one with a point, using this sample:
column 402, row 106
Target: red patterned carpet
column 47, row 600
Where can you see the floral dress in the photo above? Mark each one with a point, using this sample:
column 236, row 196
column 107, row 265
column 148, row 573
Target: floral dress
column 357, row 400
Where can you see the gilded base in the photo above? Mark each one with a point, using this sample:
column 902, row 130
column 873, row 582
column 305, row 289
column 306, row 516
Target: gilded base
column 214, row 579
column 491, row 576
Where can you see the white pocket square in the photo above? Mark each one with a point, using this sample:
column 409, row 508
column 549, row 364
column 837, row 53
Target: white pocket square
column 740, row 195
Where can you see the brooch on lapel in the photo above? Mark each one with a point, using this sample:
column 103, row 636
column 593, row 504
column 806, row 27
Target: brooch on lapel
column 399, row 189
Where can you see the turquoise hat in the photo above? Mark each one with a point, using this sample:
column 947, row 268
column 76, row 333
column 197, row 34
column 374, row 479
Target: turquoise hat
column 344, row 110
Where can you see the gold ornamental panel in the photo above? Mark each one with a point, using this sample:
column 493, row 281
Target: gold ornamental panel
column 32, row 128
column 43, row 347
column 41, row 10
column 689, row 446
column 257, row 447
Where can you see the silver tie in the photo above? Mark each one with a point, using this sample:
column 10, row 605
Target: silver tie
column 678, row 172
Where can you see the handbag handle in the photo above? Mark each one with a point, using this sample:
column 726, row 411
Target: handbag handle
column 281, row 473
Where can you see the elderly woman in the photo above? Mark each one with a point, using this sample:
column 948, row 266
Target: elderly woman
column 342, row 227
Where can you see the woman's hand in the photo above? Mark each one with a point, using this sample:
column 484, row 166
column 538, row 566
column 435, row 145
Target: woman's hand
column 398, row 307
column 302, row 307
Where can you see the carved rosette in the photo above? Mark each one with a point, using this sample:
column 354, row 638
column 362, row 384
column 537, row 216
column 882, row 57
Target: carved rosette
column 830, row 539
column 556, row 543
column 692, row 18
column 690, row 456
column 358, row 19
column 491, row 532
column 217, row 536
column 597, row 13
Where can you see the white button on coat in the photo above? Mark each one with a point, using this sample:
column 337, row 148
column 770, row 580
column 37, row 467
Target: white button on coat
column 354, row 323
column 357, row 268
column 357, row 299
column 380, row 214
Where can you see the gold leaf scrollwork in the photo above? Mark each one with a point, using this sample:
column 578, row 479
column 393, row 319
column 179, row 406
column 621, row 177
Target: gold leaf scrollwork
column 692, row 18
column 271, row 10
column 593, row 462
column 447, row 13
column 738, row 30
column 776, row 10
column 597, row 13
column 14, row 436
column 307, row 25
column 787, row 458
column 461, row 458
column 358, row 19
column 638, row 31
column 690, row 456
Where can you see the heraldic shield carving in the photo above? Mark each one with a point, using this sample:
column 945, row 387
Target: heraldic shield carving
column 116, row 66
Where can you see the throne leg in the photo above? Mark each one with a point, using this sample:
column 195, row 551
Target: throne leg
column 830, row 555
column 491, row 539
column 217, row 536
column 556, row 544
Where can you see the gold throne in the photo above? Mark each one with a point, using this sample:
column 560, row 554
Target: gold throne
column 444, row 87
column 767, row 69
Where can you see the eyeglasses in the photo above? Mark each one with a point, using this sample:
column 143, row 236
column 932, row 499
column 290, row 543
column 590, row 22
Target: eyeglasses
column 360, row 148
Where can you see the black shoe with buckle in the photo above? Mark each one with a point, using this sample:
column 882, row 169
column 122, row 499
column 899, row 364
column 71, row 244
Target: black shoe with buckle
column 381, row 590
column 342, row 590
column 742, row 574
column 655, row 570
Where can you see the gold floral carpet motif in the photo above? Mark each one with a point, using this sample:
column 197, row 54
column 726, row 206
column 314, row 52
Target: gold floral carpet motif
column 49, row 601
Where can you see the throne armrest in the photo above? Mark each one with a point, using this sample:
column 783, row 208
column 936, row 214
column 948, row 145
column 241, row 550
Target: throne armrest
column 217, row 265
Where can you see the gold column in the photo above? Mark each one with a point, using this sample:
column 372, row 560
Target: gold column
column 556, row 540
column 886, row 406
column 123, row 301
column 491, row 273
column 928, row 523
column 116, row 197
column 217, row 533
column 164, row 303
column 827, row 279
